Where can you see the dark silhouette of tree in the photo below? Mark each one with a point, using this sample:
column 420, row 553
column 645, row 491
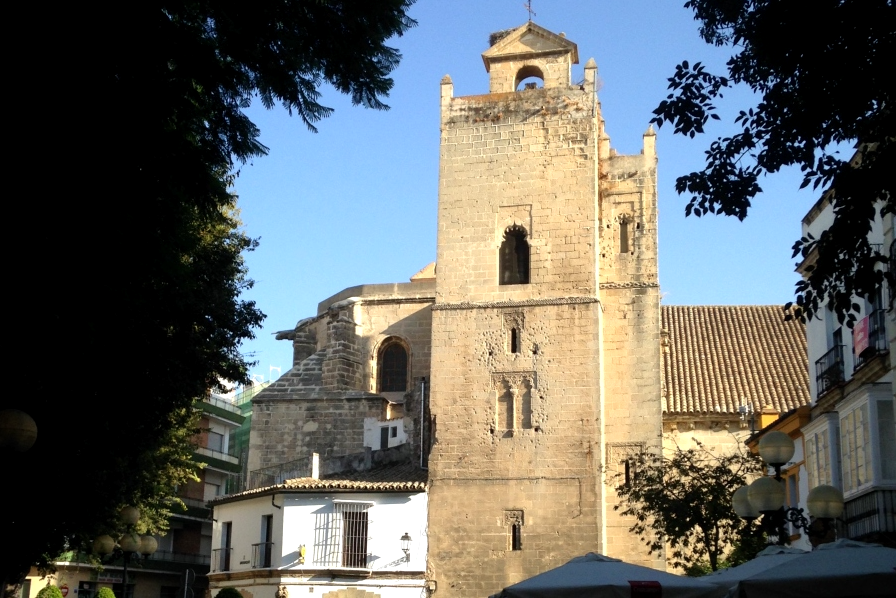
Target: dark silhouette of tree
column 125, row 294
column 822, row 74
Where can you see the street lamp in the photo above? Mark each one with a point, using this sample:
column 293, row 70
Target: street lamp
column 765, row 496
column 129, row 546
column 18, row 432
column 406, row 547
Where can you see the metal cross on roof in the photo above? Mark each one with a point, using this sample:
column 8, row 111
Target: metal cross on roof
column 528, row 7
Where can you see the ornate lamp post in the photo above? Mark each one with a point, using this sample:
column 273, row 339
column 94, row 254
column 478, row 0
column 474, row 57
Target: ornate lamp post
column 765, row 496
column 406, row 547
column 129, row 546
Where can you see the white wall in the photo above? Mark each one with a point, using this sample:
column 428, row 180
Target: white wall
column 391, row 516
column 300, row 520
column 372, row 432
column 819, row 329
column 245, row 516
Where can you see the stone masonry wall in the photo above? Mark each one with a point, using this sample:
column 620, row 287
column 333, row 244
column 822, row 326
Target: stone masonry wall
column 515, row 433
column 555, row 72
column 320, row 404
column 629, row 292
column 517, row 440
column 546, row 469
column 526, row 158
column 286, row 430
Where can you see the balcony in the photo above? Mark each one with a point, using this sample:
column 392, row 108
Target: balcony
column 221, row 408
column 877, row 338
column 261, row 555
column 180, row 557
column 222, row 404
column 221, row 559
column 829, row 370
column 871, row 515
column 218, row 460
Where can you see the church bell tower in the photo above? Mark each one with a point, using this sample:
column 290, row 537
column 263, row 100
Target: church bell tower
column 546, row 323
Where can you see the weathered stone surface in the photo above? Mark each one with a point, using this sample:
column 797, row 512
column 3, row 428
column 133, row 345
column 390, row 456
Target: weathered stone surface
column 319, row 405
column 529, row 431
column 527, row 398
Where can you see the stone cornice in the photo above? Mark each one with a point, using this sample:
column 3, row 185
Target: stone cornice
column 518, row 303
column 395, row 300
column 629, row 285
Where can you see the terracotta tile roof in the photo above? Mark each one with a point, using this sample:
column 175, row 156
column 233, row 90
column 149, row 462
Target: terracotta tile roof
column 343, row 484
column 718, row 356
column 392, row 473
column 390, row 478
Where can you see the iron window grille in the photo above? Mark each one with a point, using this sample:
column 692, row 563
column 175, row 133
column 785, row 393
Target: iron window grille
column 342, row 536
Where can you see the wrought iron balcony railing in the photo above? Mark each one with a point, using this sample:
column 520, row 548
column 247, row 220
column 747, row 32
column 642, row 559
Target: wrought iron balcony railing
column 829, row 369
column 877, row 338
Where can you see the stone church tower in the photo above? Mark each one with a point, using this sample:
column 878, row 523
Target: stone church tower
column 545, row 360
column 520, row 372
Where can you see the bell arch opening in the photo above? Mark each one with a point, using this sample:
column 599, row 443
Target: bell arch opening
column 529, row 77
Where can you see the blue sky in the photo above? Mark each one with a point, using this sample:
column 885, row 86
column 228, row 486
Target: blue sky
column 356, row 202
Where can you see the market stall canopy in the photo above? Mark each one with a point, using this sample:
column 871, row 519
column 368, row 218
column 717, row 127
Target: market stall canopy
column 771, row 557
column 841, row 569
column 597, row 576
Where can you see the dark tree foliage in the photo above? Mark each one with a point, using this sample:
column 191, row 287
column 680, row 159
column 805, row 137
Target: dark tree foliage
column 822, row 71
column 683, row 501
column 228, row 593
column 125, row 294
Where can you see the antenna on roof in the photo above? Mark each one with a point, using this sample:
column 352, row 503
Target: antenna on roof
column 528, row 7
column 746, row 410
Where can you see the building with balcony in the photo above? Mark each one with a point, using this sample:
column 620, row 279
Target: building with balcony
column 189, row 538
column 180, row 565
column 333, row 535
column 850, row 440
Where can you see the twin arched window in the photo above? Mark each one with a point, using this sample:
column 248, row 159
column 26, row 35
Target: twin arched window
column 514, row 256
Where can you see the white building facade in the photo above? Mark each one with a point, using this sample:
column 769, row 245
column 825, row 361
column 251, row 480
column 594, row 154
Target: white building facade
column 330, row 537
column 850, row 441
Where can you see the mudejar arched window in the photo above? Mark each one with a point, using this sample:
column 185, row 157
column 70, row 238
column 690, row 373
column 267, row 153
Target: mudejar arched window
column 514, row 256
column 393, row 368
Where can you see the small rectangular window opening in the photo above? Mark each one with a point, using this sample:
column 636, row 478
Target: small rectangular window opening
column 516, row 536
column 393, row 432
column 514, row 340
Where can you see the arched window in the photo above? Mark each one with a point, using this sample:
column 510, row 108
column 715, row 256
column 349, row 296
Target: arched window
column 530, row 76
column 393, row 368
column 514, row 257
